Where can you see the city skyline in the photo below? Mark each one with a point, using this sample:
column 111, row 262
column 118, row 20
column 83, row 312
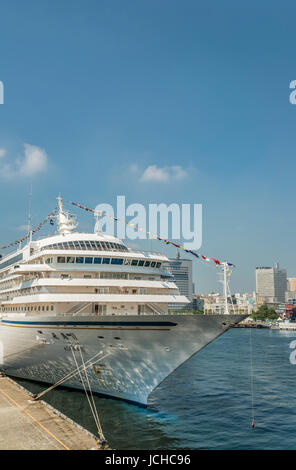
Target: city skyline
column 161, row 103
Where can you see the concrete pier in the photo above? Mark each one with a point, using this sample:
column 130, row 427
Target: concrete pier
column 26, row 424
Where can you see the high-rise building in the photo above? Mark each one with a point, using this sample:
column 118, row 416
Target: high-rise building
column 271, row 284
column 181, row 269
column 198, row 302
column 292, row 284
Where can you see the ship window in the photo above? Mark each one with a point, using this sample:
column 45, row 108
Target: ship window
column 64, row 276
column 79, row 259
column 158, row 265
column 116, row 261
column 141, row 262
column 101, row 309
column 97, row 260
column 61, row 259
column 134, row 262
column 127, row 261
column 116, row 337
column 140, row 309
column 106, row 260
column 42, row 308
column 153, row 263
column 101, row 337
column 147, row 263
column 47, row 308
column 51, row 307
column 88, row 260
column 70, row 259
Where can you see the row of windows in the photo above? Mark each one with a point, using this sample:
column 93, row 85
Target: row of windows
column 36, row 308
column 100, row 260
column 11, row 261
column 92, row 245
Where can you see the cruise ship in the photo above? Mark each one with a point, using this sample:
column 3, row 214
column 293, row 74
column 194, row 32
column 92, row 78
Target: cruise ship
column 86, row 298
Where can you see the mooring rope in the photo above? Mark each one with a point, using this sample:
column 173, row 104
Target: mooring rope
column 91, row 394
column 252, row 378
column 69, row 375
column 100, row 433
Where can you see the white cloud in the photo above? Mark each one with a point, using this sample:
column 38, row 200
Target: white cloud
column 2, row 153
column 163, row 175
column 33, row 161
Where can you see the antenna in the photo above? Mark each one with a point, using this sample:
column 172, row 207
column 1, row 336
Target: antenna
column 226, row 273
column 29, row 214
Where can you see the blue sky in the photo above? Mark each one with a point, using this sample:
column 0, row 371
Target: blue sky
column 95, row 89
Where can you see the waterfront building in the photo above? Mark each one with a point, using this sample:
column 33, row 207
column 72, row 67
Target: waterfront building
column 238, row 303
column 292, row 284
column 181, row 269
column 198, row 302
column 271, row 283
column 291, row 297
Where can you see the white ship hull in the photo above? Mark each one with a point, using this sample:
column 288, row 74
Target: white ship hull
column 138, row 352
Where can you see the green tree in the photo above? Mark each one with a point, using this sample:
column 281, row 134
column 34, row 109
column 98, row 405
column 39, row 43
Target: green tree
column 264, row 313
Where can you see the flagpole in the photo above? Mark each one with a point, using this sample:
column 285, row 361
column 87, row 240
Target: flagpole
column 29, row 215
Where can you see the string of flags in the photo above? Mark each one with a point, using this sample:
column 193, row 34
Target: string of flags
column 168, row 242
column 36, row 229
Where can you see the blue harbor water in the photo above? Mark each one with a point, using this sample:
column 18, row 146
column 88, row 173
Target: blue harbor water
column 206, row 403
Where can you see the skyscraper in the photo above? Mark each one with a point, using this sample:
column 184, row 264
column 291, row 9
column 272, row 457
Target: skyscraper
column 291, row 284
column 182, row 272
column 271, row 284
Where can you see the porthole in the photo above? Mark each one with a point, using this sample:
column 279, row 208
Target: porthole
column 101, row 337
column 116, row 337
